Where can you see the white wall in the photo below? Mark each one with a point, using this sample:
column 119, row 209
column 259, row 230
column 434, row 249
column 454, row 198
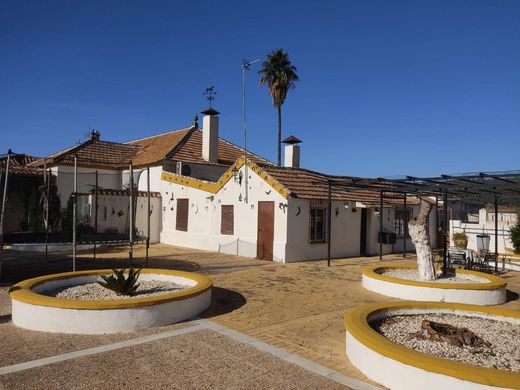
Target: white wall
column 373, row 230
column 484, row 227
column 204, row 217
column 345, row 232
column 155, row 178
column 113, row 214
column 107, row 179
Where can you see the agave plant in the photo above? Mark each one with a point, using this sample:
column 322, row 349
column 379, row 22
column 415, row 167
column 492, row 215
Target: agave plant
column 121, row 284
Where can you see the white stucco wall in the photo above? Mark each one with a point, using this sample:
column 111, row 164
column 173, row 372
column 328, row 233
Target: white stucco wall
column 204, row 217
column 345, row 232
column 107, row 179
column 113, row 213
column 473, row 229
column 155, row 178
column 373, row 230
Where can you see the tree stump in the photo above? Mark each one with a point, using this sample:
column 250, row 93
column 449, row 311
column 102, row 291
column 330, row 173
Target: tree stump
column 418, row 229
column 451, row 334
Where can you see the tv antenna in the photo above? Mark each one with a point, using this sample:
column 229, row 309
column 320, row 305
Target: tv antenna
column 210, row 91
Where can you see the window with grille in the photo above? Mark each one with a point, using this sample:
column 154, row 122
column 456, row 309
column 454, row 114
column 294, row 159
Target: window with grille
column 227, row 220
column 317, row 222
column 399, row 221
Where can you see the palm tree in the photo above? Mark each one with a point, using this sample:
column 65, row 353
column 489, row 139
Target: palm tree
column 279, row 76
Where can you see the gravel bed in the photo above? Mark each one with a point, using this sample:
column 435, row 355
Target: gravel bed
column 93, row 291
column 413, row 274
column 504, row 353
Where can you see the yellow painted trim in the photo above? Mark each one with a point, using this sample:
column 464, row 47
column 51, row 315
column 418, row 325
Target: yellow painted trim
column 493, row 284
column 215, row 187
column 22, row 291
column 357, row 324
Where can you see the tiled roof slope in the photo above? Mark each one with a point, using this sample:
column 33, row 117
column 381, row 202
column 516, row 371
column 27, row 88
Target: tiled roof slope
column 94, row 153
column 155, row 148
column 190, row 150
column 18, row 165
column 306, row 184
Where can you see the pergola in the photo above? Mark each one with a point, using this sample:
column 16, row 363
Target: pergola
column 498, row 188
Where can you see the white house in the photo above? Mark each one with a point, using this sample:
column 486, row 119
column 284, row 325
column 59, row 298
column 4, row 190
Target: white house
column 214, row 196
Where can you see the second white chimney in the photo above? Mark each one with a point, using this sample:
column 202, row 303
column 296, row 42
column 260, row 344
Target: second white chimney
column 292, row 152
column 210, row 135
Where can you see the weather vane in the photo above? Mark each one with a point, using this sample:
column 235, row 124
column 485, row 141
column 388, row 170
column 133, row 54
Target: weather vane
column 210, row 91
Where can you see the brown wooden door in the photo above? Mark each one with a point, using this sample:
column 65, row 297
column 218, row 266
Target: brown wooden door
column 182, row 214
column 265, row 236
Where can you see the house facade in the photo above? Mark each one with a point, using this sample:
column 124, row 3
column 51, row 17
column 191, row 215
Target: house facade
column 210, row 194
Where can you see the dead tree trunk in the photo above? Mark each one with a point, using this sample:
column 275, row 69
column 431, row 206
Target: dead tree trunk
column 420, row 237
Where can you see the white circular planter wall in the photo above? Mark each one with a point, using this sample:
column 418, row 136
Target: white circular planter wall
column 35, row 311
column 492, row 292
column 397, row 367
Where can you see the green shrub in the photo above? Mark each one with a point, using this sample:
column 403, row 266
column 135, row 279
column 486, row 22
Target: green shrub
column 121, row 284
column 459, row 236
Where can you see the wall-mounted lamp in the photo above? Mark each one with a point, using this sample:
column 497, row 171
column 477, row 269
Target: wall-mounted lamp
column 376, row 211
column 234, row 171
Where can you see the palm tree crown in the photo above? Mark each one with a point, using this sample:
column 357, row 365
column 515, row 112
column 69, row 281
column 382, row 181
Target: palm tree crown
column 279, row 75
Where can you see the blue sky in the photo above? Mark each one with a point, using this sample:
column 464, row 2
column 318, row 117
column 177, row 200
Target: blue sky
column 386, row 87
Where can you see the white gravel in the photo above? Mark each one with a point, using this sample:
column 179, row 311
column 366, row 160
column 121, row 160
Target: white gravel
column 93, row 291
column 504, row 353
column 412, row 274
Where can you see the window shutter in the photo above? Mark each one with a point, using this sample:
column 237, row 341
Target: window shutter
column 182, row 214
column 227, row 220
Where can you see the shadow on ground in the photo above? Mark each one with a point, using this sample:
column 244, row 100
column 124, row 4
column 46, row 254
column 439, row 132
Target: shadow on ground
column 14, row 271
column 511, row 296
column 223, row 301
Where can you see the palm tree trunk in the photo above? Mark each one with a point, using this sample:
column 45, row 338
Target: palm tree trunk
column 279, row 135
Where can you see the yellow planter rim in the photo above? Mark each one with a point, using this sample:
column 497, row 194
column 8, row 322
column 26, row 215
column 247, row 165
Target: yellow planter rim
column 22, row 291
column 357, row 324
column 494, row 282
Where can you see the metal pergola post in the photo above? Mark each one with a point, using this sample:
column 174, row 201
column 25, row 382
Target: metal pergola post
column 96, row 212
column 329, row 221
column 4, row 198
column 496, row 234
column 148, row 213
column 131, row 217
column 74, row 211
column 405, row 218
column 445, row 234
column 381, row 226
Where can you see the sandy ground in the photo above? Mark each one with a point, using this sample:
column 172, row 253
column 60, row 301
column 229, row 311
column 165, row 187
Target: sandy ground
column 298, row 307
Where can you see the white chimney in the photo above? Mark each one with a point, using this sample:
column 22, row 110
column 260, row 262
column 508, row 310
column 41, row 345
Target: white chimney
column 292, row 152
column 210, row 135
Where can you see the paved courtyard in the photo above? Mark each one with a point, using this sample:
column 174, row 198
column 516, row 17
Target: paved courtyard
column 270, row 325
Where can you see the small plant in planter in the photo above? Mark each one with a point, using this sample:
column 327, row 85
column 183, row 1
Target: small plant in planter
column 121, row 284
column 460, row 240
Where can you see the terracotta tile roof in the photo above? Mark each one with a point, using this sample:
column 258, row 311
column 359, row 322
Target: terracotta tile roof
column 155, row 148
column 190, row 150
column 18, row 165
column 94, row 153
column 307, row 184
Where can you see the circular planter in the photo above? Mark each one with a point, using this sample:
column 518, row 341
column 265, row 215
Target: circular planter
column 492, row 292
column 397, row 367
column 35, row 311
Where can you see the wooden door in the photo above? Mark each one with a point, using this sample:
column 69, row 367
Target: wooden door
column 182, row 214
column 363, row 233
column 265, row 236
